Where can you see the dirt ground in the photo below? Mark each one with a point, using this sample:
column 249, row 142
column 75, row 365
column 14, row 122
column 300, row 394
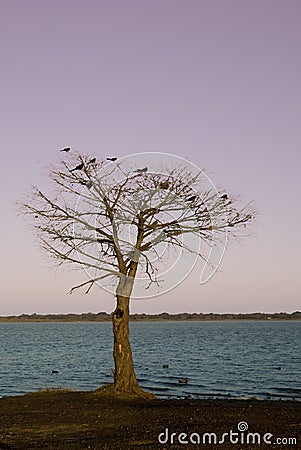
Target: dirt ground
column 90, row 420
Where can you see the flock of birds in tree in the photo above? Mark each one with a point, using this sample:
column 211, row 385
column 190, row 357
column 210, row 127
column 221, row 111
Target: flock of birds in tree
column 163, row 184
column 93, row 160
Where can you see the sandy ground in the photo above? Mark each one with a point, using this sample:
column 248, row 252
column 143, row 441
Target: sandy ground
column 89, row 420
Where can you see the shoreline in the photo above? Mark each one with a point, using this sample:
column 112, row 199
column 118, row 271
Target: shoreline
column 82, row 420
column 162, row 317
column 177, row 398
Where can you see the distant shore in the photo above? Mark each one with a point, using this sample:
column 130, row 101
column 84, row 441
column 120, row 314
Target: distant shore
column 162, row 317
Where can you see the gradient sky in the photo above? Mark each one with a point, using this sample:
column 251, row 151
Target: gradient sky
column 217, row 82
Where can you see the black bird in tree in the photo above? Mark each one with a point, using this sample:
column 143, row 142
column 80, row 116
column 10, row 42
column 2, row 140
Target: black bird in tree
column 192, row 198
column 141, row 170
column 66, row 149
column 92, row 161
column 224, row 197
column 112, row 159
column 79, row 167
column 164, row 184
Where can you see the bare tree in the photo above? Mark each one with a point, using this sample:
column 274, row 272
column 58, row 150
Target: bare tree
column 114, row 221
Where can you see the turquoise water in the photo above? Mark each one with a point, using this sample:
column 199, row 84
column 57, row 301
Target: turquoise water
column 220, row 358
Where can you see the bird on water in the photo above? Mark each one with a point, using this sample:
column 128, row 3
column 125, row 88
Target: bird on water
column 183, row 380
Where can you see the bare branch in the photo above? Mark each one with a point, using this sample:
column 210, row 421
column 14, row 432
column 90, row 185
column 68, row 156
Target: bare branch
column 112, row 225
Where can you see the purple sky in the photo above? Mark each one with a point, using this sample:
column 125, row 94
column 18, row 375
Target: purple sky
column 217, row 82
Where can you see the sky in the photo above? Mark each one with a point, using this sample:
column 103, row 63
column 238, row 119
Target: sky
column 216, row 82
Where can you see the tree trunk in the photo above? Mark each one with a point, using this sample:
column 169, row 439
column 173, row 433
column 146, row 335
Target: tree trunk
column 124, row 376
column 125, row 380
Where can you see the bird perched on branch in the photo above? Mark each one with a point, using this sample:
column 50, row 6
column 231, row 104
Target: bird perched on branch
column 192, row 198
column 92, row 161
column 141, row 170
column 150, row 211
column 164, row 184
column 112, row 159
column 66, row 149
column 224, row 197
column 79, row 167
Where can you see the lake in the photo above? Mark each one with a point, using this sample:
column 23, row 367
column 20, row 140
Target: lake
column 221, row 359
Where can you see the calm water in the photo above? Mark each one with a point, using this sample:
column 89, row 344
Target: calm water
column 219, row 358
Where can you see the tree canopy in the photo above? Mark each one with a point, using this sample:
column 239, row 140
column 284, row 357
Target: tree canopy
column 107, row 217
